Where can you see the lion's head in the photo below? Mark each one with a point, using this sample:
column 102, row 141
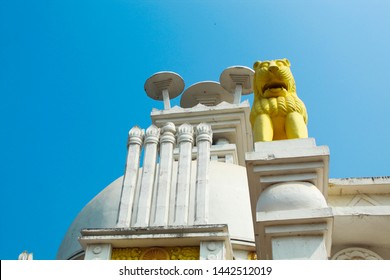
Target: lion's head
column 277, row 113
column 273, row 78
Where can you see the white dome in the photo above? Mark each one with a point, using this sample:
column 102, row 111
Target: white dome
column 228, row 198
column 290, row 196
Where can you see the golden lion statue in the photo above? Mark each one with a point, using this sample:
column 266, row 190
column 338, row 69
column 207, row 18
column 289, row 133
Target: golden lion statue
column 277, row 112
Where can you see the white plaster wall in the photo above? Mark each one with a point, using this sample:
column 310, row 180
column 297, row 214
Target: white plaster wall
column 298, row 248
column 229, row 199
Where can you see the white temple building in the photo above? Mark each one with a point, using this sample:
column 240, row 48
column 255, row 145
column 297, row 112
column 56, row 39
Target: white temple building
column 196, row 187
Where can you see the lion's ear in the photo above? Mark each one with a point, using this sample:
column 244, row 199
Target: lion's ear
column 287, row 62
column 256, row 64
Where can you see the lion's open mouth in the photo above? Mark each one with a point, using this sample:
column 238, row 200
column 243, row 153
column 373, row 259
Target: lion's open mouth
column 275, row 85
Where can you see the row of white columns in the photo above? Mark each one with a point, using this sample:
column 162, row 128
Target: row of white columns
column 147, row 195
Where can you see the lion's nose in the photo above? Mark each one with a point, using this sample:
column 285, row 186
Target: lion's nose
column 273, row 67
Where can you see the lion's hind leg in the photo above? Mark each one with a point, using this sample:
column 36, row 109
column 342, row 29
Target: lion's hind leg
column 262, row 128
column 296, row 126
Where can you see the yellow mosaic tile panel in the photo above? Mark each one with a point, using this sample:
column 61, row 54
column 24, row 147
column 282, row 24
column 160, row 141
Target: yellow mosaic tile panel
column 156, row 253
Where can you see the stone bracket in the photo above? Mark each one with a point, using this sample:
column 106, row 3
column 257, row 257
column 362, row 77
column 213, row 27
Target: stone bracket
column 98, row 252
column 213, row 250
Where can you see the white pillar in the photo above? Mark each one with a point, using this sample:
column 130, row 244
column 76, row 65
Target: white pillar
column 237, row 94
column 130, row 177
column 144, row 195
column 167, row 102
column 204, row 138
column 160, row 209
column 182, row 190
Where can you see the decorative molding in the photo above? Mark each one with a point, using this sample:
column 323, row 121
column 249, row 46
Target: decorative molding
column 168, row 133
column 152, row 134
column 98, row 252
column 130, row 238
column 136, row 136
column 363, row 197
column 156, row 253
column 212, row 250
column 356, row 253
column 204, row 133
column 184, row 253
column 126, row 253
column 185, row 133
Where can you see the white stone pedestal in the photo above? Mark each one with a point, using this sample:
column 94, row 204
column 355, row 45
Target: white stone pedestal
column 288, row 183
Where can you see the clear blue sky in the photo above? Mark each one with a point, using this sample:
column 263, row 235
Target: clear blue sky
column 71, row 86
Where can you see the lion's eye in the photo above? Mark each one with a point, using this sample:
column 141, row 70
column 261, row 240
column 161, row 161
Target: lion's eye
column 264, row 64
column 281, row 63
